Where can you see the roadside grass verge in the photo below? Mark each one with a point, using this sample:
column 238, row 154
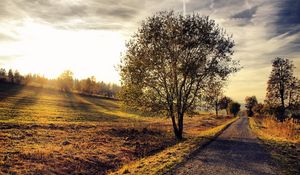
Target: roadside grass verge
column 166, row 160
column 281, row 139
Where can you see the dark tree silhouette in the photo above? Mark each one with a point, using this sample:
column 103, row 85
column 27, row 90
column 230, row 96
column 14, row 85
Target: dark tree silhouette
column 283, row 89
column 170, row 60
column 10, row 76
column 64, row 82
column 17, row 77
column 234, row 108
column 224, row 102
column 250, row 103
column 2, row 75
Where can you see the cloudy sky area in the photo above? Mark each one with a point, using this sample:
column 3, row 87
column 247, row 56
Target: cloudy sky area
column 88, row 36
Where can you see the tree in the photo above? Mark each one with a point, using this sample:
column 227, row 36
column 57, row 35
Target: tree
column 10, row 76
column 89, row 85
column 234, row 108
column 171, row 59
column 258, row 109
column 77, row 85
column 213, row 94
column 224, row 102
column 2, row 75
column 115, row 89
column 65, row 81
column 250, row 103
column 283, row 88
column 17, row 77
column 294, row 95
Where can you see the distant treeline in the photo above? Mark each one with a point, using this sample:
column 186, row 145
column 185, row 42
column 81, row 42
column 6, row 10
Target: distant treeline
column 65, row 82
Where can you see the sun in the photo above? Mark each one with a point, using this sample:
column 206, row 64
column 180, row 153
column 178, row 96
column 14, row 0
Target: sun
column 49, row 51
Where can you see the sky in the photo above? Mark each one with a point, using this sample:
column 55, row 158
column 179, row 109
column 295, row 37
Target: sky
column 89, row 36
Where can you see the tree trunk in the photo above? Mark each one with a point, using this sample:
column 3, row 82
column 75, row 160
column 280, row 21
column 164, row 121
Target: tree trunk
column 290, row 97
column 216, row 108
column 180, row 126
column 282, row 110
column 282, row 98
column 175, row 128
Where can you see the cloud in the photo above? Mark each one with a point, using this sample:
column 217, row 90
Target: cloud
column 262, row 29
column 244, row 17
column 90, row 14
column 6, row 38
column 288, row 16
column 246, row 14
column 50, row 11
column 4, row 59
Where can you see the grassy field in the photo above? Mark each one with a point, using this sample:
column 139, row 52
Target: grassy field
column 282, row 140
column 48, row 132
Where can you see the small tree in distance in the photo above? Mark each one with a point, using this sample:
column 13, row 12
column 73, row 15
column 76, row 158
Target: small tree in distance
column 250, row 103
column 65, row 81
column 2, row 75
column 170, row 60
column 213, row 95
column 17, row 77
column 224, row 103
column 234, row 108
column 10, row 75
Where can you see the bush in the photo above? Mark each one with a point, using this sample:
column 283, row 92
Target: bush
column 234, row 108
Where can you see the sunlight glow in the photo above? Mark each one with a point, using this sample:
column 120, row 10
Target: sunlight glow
column 49, row 51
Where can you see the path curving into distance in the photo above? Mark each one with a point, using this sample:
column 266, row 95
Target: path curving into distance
column 235, row 152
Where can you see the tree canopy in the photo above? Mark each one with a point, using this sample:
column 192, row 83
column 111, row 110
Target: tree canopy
column 234, row 108
column 283, row 91
column 213, row 94
column 224, row 103
column 250, row 103
column 170, row 61
column 66, row 81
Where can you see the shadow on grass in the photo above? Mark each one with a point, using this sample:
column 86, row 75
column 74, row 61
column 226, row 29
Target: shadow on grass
column 86, row 110
column 23, row 103
column 100, row 102
column 8, row 90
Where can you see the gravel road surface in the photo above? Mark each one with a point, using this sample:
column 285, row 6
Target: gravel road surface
column 236, row 151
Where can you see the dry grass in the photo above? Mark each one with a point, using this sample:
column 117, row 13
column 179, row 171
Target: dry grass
column 288, row 130
column 69, row 149
column 48, row 132
column 163, row 162
column 282, row 139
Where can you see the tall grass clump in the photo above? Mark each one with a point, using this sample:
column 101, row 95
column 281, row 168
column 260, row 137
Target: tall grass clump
column 288, row 129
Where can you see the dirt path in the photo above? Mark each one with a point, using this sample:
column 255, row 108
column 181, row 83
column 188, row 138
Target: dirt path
column 235, row 151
